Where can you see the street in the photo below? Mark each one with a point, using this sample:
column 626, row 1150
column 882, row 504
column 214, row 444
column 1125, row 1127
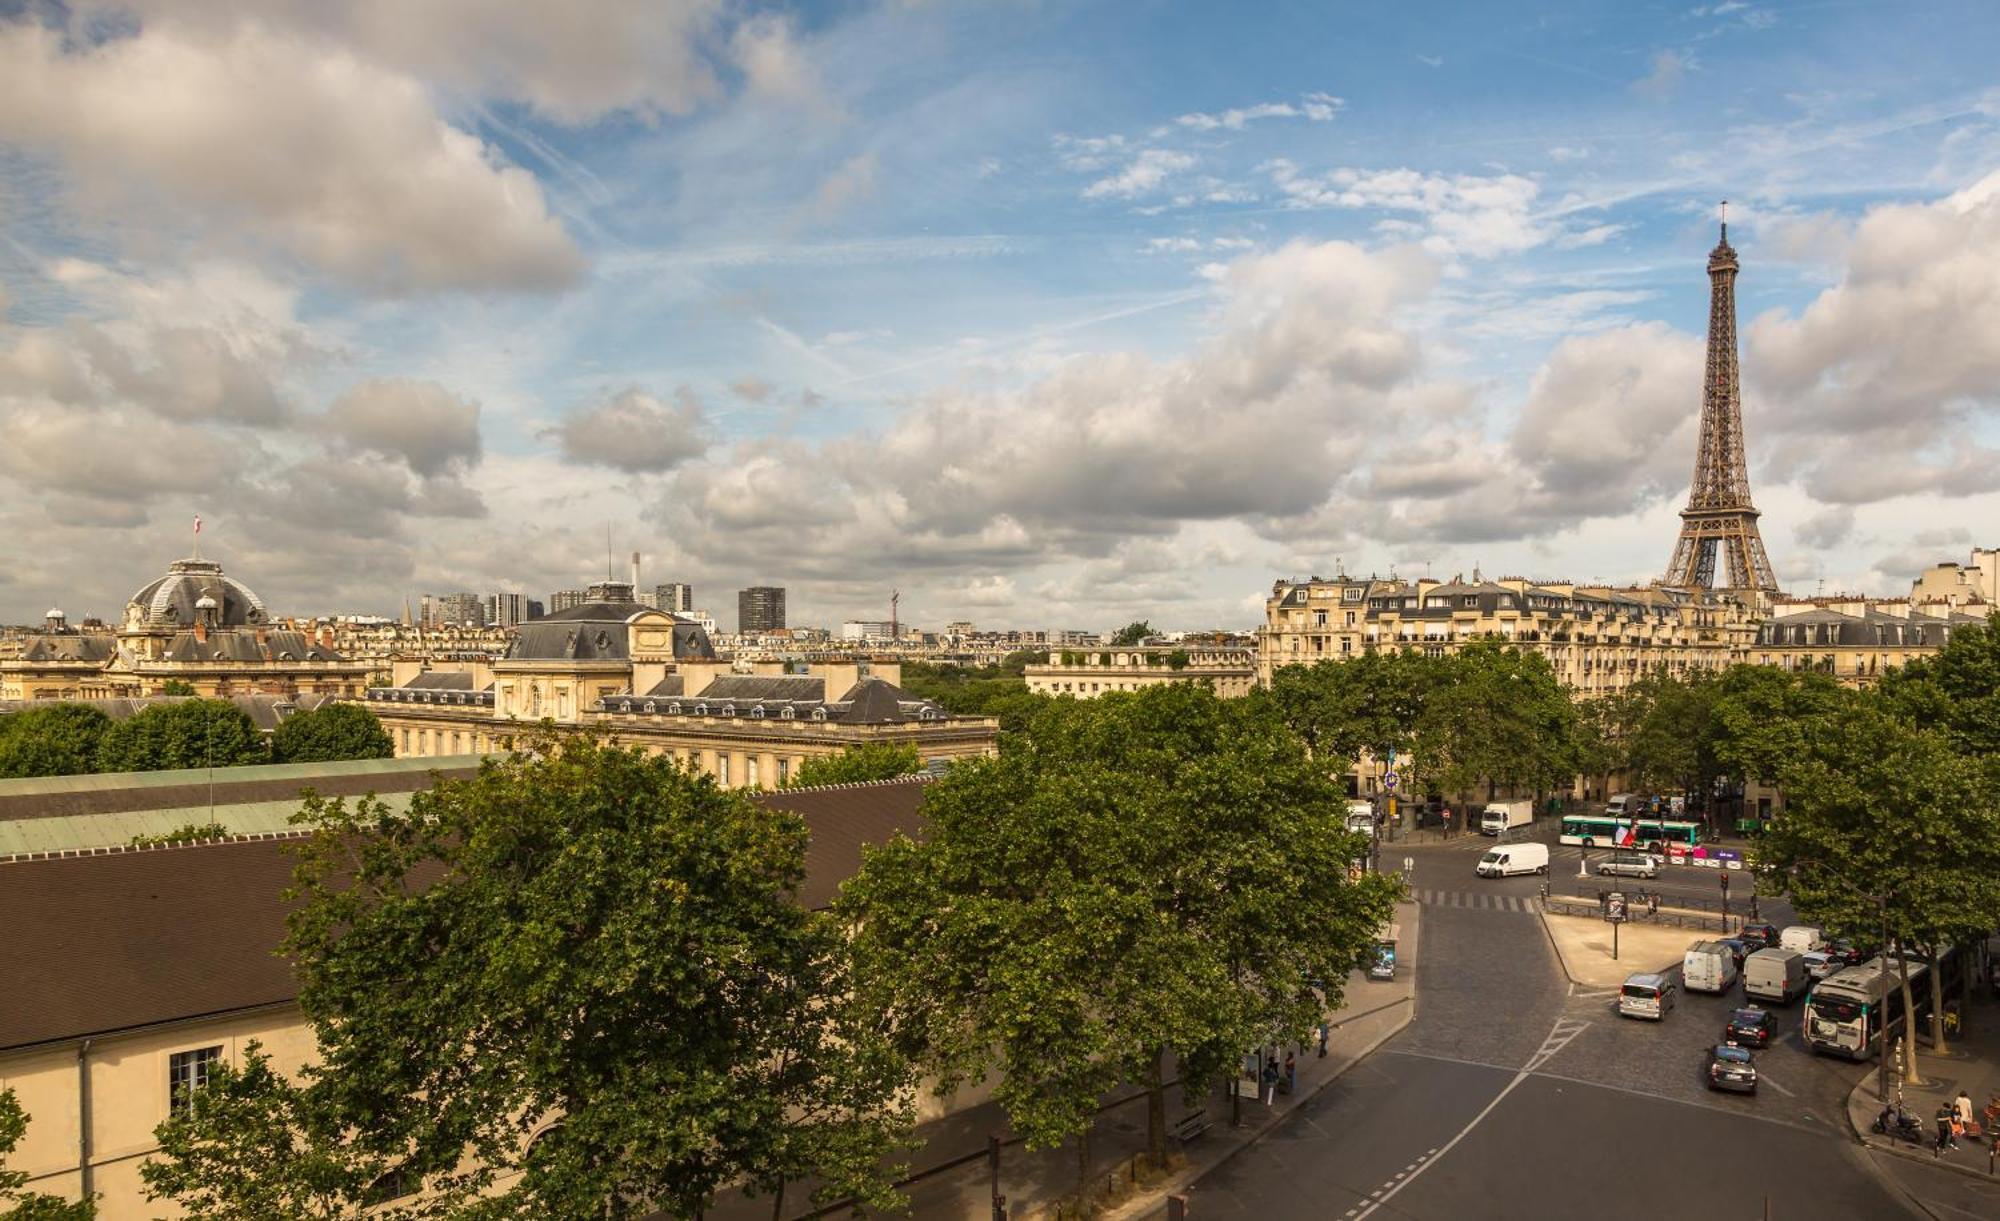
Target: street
column 1514, row 1093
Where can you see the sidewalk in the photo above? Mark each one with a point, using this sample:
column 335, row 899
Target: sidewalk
column 1583, row 943
column 1972, row 1063
column 954, row 1174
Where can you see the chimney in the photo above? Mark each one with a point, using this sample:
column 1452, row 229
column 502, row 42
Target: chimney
column 635, row 574
column 201, row 630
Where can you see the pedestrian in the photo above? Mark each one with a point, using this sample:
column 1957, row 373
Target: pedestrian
column 1292, row 1075
column 1945, row 1114
column 1963, row 1107
column 1270, row 1080
column 1323, row 1032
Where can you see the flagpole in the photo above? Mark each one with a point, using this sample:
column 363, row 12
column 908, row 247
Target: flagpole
column 197, row 536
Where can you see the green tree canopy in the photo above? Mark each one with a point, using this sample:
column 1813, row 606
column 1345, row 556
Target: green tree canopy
column 581, row 941
column 1767, row 719
column 331, row 732
column 1498, row 716
column 1957, row 689
column 61, row 739
column 1132, row 633
column 185, row 733
column 177, row 686
column 854, row 764
column 16, row 1205
column 1372, row 702
column 1142, row 874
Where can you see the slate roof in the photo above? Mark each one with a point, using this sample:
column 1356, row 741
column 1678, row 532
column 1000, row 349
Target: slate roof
column 759, row 687
column 247, row 645
column 130, row 937
column 94, row 649
column 441, row 680
column 169, row 601
column 599, row 631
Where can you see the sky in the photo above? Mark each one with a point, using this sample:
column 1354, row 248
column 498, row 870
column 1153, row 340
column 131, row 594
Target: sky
column 1045, row 314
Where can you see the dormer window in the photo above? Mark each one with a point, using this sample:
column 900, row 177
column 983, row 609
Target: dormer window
column 729, row 710
column 757, row 713
column 819, row 714
column 650, row 707
column 1470, row 601
column 701, row 709
column 786, row 714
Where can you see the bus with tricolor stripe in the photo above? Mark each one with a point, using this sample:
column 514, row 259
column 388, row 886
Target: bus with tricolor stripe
column 1646, row 834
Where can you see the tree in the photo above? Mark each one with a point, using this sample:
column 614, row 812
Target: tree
column 186, row 733
column 177, row 686
column 257, row 1147
column 1956, row 689
column 1142, row 875
column 16, row 1205
column 856, row 764
column 1178, row 659
column 1131, row 634
column 331, row 732
column 1500, row 717
column 1371, row 703
column 585, row 943
column 187, row 833
column 1887, row 824
column 58, row 740
column 1767, row 719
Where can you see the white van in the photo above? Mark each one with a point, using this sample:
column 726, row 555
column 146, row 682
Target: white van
column 1620, row 804
column 1361, row 817
column 1802, row 937
column 1775, row 974
column 1512, row 859
column 1708, row 966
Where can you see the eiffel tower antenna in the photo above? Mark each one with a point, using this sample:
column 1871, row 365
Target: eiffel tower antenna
column 1720, row 516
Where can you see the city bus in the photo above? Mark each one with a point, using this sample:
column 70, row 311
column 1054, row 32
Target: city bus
column 1651, row 834
column 1848, row 1011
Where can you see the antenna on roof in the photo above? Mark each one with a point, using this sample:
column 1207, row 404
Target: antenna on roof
column 610, row 574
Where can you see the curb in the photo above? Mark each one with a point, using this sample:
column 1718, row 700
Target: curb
column 1139, row 1205
column 1542, row 917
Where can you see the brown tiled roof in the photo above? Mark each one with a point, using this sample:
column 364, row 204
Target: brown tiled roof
column 129, row 937
column 138, row 936
column 842, row 818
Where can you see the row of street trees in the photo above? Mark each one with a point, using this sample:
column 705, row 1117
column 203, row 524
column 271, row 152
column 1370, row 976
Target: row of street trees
column 64, row 739
column 1487, row 716
column 1892, row 807
column 586, row 968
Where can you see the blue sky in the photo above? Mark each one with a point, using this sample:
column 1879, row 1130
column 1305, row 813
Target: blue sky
column 1046, row 314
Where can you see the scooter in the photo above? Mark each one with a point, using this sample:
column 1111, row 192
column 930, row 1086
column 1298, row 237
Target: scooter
column 1905, row 1125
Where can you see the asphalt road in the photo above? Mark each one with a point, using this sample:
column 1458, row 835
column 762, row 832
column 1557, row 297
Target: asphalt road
column 1513, row 1095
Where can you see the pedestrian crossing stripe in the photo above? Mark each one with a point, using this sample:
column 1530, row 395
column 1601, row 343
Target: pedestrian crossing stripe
column 1475, row 900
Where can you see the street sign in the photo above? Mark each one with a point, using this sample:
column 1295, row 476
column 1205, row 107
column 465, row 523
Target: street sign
column 1614, row 906
column 1389, row 782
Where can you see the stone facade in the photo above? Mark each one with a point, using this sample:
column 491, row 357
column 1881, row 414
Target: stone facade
column 1228, row 671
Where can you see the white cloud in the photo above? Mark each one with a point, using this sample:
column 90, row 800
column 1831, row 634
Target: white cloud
column 332, row 158
column 420, row 422
column 1664, row 78
column 775, row 65
column 1143, row 175
column 1478, row 215
column 634, row 431
column 573, row 65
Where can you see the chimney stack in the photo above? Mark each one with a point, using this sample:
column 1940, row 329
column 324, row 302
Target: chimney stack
column 635, row 574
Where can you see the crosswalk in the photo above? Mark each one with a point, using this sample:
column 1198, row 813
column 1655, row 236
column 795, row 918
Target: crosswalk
column 1476, row 900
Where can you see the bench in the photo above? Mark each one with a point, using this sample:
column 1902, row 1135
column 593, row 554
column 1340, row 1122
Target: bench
column 1191, row 1125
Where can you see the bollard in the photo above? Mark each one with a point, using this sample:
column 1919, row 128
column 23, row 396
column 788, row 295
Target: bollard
column 1176, row 1208
column 999, row 1208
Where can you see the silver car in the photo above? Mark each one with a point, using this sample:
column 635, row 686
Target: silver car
column 1629, row 865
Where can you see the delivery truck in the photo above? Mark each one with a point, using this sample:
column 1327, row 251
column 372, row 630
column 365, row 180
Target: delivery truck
column 1500, row 815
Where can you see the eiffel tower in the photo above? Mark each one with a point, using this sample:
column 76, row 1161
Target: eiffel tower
column 1719, row 515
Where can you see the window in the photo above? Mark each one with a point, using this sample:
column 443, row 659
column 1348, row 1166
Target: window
column 784, row 765
column 1319, row 618
column 722, row 769
column 1351, row 594
column 1470, row 601
column 750, row 771
column 187, row 1072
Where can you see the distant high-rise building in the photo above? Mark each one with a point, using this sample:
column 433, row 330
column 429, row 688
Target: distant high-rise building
column 867, row 629
column 535, row 610
column 566, row 599
column 674, row 598
column 504, row 610
column 760, row 608
column 459, row 610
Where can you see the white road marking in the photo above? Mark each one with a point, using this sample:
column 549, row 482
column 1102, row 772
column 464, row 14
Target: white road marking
column 1764, row 1078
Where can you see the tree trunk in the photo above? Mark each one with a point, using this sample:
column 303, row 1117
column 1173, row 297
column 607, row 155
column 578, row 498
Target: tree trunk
column 1937, row 1006
column 1910, row 1076
column 1156, row 1107
column 778, row 1202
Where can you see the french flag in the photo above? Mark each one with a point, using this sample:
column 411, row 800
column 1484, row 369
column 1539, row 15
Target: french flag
column 1628, row 834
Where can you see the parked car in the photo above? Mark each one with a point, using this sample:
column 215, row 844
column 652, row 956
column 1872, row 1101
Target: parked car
column 1757, row 936
column 1751, row 1027
column 1629, row 865
column 1820, row 964
column 1646, row 996
column 1731, row 1068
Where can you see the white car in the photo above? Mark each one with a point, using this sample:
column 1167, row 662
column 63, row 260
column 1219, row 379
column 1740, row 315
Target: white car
column 1629, row 865
column 1820, row 964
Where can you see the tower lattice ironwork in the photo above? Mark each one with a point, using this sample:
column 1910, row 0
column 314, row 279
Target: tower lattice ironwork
column 1720, row 516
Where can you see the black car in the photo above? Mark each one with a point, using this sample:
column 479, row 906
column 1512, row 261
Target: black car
column 1847, row 952
column 1758, row 936
column 1730, row 1068
column 1751, row 1026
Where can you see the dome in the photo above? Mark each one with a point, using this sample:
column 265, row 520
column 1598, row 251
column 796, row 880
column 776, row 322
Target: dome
column 173, row 600
column 55, row 612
